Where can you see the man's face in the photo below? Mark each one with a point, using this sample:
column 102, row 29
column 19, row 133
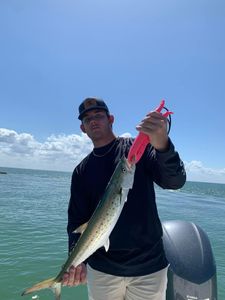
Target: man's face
column 95, row 115
column 97, row 123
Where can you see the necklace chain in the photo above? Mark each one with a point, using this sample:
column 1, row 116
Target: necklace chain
column 107, row 152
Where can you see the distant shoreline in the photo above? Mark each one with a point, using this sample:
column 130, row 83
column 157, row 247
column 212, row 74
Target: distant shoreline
column 71, row 171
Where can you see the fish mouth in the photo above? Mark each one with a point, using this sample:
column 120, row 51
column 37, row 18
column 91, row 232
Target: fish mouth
column 129, row 165
column 132, row 162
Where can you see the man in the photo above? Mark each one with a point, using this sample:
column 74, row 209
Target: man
column 135, row 266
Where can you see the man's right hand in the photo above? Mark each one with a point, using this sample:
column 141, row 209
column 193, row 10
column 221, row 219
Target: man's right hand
column 75, row 275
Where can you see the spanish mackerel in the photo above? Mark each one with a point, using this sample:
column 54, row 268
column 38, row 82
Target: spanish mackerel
column 96, row 232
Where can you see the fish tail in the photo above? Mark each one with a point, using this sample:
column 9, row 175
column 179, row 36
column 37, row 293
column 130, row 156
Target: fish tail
column 51, row 283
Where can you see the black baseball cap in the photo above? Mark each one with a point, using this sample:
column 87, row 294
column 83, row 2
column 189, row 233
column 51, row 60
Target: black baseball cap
column 90, row 104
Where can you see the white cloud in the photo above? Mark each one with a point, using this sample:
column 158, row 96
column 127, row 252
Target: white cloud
column 64, row 152
column 196, row 171
column 12, row 142
column 56, row 153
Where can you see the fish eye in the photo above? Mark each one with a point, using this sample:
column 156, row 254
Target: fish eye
column 123, row 170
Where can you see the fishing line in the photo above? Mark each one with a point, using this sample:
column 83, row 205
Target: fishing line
column 168, row 120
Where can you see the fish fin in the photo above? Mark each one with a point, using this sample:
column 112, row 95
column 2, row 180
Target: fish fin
column 48, row 283
column 123, row 194
column 106, row 245
column 81, row 228
column 57, row 290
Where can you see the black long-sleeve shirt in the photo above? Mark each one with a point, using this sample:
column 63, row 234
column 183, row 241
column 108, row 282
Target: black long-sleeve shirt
column 136, row 246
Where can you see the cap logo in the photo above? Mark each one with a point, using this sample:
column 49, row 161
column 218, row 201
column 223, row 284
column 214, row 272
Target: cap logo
column 89, row 102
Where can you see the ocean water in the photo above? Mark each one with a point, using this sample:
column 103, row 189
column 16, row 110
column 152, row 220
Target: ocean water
column 33, row 217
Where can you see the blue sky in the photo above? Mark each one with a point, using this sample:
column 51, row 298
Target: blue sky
column 55, row 53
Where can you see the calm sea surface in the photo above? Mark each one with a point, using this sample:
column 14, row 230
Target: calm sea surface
column 33, row 217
